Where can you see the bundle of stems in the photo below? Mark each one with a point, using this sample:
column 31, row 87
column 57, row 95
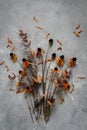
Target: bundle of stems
column 41, row 91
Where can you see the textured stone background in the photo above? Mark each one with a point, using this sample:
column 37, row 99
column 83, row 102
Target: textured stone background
column 59, row 17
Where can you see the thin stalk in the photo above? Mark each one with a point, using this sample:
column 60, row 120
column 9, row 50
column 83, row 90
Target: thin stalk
column 45, row 66
column 29, row 108
column 47, row 71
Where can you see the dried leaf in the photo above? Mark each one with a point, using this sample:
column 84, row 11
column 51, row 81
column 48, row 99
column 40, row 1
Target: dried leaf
column 27, row 43
column 11, row 89
column 76, row 34
column 38, row 27
column 9, row 40
column 81, row 77
column 35, row 19
column 13, row 48
column 1, row 63
column 32, row 51
column 47, row 35
column 62, row 100
column 7, row 68
column 80, row 31
column 19, row 84
column 50, row 104
column 19, row 91
column 60, row 43
column 77, row 27
column 12, row 77
column 39, row 79
column 72, row 88
column 59, row 48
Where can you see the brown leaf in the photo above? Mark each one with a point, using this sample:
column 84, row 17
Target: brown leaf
column 60, row 43
column 39, row 79
column 77, row 27
column 7, row 68
column 59, row 48
column 11, row 89
column 81, row 77
column 72, row 88
column 80, row 31
column 76, row 34
column 9, row 40
column 35, row 19
column 13, row 48
column 1, row 63
column 47, row 35
column 38, row 27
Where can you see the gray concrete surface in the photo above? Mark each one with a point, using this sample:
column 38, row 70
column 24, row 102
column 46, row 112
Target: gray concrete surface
column 59, row 17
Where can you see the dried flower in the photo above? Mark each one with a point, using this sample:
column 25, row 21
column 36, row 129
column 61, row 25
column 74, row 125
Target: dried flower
column 60, row 60
column 72, row 62
column 49, row 82
column 50, row 42
column 53, row 56
column 13, row 57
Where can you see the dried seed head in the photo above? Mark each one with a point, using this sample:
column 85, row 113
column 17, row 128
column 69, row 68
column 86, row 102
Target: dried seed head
column 62, row 57
column 23, row 59
column 74, row 58
column 53, row 56
column 50, row 42
column 39, row 49
column 20, row 71
column 11, row 54
column 55, row 68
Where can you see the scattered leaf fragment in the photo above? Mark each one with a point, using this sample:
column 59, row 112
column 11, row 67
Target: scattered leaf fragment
column 9, row 40
column 35, row 19
column 80, row 31
column 72, row 88
column 38, row 27
column 7, row 68
column 11, row 89
column 76, row 34
column 12, row 77
column 58, row 41
column 59, row 48
column 47, row 35
column 13, row 48
column 81, row 77
column 77, row 27
column 1, row 63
